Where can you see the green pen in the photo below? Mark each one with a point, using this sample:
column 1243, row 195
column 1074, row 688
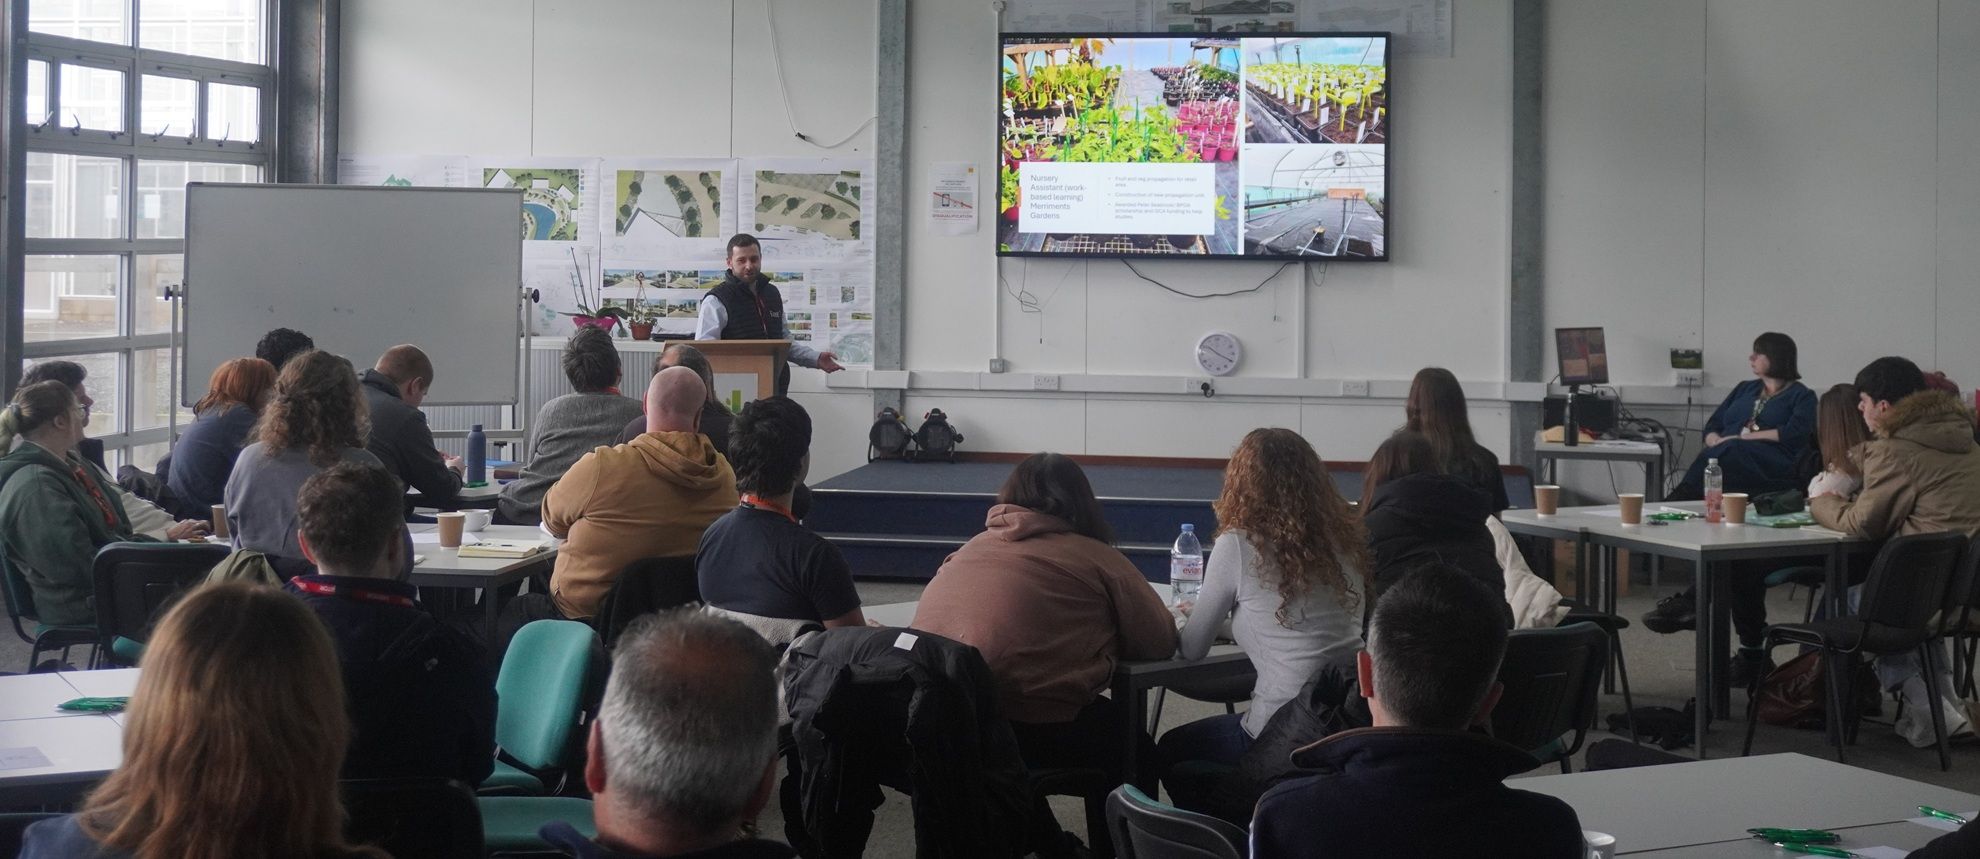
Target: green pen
column 1799, row 836
column 1942, row 815
column 94, row 705
column 1815, row 849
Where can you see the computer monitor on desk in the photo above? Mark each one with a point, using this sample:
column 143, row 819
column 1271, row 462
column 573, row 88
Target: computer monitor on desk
column 1584, row 357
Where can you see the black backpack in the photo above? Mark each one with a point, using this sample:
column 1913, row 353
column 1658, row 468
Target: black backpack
column 889, row 438
column 937, row 438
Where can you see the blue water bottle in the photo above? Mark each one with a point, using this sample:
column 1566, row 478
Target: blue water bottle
column 477, row 457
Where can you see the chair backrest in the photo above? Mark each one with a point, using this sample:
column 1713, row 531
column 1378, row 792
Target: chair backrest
column 1911, row 580
column 429, row 817
column 540, row 691
column 1145, row 829
column 645, row 586
column 1966, row 583
column 20, row 595
column 136, row 581
column 1551, row 679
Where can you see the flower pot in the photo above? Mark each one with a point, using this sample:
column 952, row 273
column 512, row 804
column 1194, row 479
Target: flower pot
column 602, row 323
column 641, row 330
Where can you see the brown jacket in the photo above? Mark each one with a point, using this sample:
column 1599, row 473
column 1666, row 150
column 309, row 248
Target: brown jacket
column 649, row 498
column 1921, row 475
column 1050, row 610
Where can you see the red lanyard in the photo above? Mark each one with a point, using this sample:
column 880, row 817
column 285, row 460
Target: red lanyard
column 102, row 503
column 751, row 499
column 329, row 590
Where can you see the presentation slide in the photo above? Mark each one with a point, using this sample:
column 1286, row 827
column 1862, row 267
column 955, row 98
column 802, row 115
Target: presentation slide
column 1194, row 146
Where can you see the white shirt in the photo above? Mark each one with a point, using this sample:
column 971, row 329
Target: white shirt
column 715, row 316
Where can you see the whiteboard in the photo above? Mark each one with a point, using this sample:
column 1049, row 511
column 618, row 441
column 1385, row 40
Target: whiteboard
column 359, row 270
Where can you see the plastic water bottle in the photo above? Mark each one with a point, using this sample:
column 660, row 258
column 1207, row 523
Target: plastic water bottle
column 1186, row 567
column 1715, row 492
column 477, row 457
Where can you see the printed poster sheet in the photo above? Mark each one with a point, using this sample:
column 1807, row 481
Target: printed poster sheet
column 669, row 207
column 807, row 208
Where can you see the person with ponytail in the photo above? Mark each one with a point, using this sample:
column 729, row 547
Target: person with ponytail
column 56, row 508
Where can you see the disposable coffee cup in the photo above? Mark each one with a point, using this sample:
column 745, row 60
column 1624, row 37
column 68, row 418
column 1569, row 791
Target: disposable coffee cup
column 1632, row 507
column 220, row 521
column 1734, row 506
column 477, row 519
column 451, row 526
column 1547, row 500
column 1601, row 845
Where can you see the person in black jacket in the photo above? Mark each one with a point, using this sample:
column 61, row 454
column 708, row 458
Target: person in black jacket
column 421, row 696
column 393, row 390
column 1436, row 408
column 1416, row 514
column 746, row 306
column 1419, row 783
column 715, row 417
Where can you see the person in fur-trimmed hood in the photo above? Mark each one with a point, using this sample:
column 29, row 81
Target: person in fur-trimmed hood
column 1921, row 475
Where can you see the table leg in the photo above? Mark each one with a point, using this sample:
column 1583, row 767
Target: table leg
column 490, row 612
column 1135, row 705
column 1721, row 646
column 1702, row 656
column 1608, row 605
column 1835, row 581
column 1653, row 493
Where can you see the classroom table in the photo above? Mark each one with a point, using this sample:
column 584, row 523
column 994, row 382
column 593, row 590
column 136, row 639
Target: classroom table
column 79, row 748
column 470, row 498
column 1704, row 545
column 1132, row 680
column 1703, row 808
column 445, row 568
column 1649, row 454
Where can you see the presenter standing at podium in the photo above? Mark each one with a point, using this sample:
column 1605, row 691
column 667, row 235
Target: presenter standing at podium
column 745, row 306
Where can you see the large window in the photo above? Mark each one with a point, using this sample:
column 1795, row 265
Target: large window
column 127, row 102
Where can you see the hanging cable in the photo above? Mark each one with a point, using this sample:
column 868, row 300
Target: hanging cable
column 784, row 88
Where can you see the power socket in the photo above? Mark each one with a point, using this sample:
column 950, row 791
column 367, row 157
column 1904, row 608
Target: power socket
column 1688, row 378
column 1044, row 383
column 1000, row 365
column 1354, row 389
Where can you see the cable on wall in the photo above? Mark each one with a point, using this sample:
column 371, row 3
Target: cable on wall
column 1261, row 284
column 784, row 88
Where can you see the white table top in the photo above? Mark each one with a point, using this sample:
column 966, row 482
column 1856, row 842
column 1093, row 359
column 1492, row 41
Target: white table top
column 441, row 563
column 35, row 696
column 106, row 683
column 1623, row 450
column 79, row 749
column 1605, row 520
column 472, row 493
column 1715, row 801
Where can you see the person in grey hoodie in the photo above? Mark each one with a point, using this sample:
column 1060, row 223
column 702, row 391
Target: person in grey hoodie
column 570, row 426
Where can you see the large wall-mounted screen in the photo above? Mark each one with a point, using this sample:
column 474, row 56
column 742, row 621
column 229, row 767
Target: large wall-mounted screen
column 1194, row 146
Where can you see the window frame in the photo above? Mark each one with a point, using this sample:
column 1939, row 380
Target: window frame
column 131, row 146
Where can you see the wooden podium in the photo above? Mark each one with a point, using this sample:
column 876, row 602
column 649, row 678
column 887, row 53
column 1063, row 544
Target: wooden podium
column 763, row 359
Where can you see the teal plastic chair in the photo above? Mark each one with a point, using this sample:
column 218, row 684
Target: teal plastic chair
column 1145, row 829
column 540, row 699
column 509, row 823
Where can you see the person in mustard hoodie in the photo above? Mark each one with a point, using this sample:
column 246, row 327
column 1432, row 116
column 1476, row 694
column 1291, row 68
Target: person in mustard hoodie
column 650, row 498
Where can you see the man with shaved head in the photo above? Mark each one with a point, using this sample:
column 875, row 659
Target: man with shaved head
column 649, row 498
column 400, row 438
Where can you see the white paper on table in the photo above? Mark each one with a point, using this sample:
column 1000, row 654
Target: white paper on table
column 1945, row 825
column 1879, row 852
column 23, row 758
column 432, row 538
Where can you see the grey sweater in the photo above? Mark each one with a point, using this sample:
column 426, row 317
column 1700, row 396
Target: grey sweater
column 1240, row 583
column 261, row 497
column 566, row 428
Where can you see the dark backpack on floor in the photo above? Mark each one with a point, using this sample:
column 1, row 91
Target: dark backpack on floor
column 889, row 438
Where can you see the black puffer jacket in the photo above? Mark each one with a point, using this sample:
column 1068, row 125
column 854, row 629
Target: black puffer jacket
column 1426, row 518
column 873, row 706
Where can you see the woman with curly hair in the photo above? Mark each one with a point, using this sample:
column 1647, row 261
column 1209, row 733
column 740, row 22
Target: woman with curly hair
column 1289, row 573
column 316, row 420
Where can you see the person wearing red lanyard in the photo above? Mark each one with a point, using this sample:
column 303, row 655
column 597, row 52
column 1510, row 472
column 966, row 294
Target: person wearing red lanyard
column 745, row 306
column 55, row 507
column 420, row 694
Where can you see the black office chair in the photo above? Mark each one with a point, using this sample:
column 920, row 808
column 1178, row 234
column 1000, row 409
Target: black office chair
column 1611, row 625
column 643, row 587
column 1964, row 630
column 1145, row 829
column 45, row 638
column 429, row 817
column 1909, row 582
column 135, row 582
column 1552, row 678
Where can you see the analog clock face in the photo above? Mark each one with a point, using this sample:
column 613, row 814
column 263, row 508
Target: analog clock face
column 1218, row 353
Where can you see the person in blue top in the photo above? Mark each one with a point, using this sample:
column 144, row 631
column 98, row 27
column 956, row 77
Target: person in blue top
column 1758, row 436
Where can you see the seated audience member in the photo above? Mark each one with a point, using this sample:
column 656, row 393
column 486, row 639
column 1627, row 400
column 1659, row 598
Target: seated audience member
column 232, row 742
column 652, row 498
column 1287, row 574
column 223, row 423
column 1415, row 514
column 757, row 560
column 56, row 509
column 1757, row 434
column 715, row 417
column 315, row 421
column 278, row 346
column 1921, row 475
column 684, row 751
column 399, row 437
column 1052, row 606
column 146, row 518
column 1961, row 844
column 1436, row 408
column 421, row 695
column 570, row 426
column 1419, row 783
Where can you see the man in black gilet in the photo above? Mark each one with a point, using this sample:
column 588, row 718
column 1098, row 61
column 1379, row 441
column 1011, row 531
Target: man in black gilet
column 747, row 307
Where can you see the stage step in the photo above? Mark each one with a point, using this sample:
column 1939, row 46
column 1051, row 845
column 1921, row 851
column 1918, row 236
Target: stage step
column 893, row 556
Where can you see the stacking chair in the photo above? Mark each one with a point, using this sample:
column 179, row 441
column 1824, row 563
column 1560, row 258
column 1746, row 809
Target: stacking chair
column 1145, row 829
column 1552, row 678
column 1910, row 582
column 643, row 587
column 135, row 582
column 431, row 817
column 540, row 705
column 1612, row 626
column 1229, row 691
column 1963, row 622
column 45, row 638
